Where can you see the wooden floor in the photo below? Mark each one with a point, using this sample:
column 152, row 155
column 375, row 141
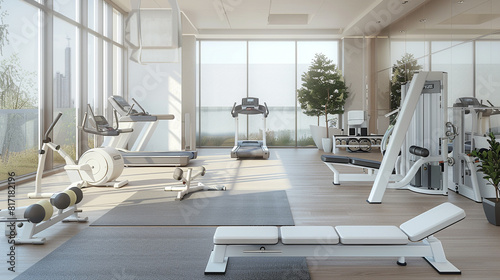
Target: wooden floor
column 472, row 245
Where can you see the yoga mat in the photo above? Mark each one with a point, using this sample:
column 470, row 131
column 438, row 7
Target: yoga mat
column 208, row 208
column 152, row 253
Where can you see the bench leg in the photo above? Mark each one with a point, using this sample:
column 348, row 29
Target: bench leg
column 217, row 263
column 336, row 175
column 438, row 259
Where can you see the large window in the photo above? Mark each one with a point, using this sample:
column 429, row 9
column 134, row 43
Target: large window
column 67, row 54
column 64, row 87
column 268, row 70
column 487, row 77
column 457, row 59
column 19, row 87
column 271, row 77
column 223, row 80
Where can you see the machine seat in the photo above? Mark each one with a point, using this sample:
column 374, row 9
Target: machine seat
column 351, row 160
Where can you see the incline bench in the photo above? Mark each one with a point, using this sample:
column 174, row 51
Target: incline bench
column 413, row 238
column 370, row 165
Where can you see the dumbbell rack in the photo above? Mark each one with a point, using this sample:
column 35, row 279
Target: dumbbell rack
column 357, row 143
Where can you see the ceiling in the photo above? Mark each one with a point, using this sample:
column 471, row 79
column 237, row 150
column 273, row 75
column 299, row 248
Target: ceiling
column 331, row 18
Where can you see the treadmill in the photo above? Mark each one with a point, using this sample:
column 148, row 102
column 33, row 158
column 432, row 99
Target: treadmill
column 129, row 118
column 250, row 148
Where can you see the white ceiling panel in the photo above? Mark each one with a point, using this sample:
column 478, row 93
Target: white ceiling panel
column 341, row 17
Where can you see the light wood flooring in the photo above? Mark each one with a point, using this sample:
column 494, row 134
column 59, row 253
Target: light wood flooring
column 473, row 245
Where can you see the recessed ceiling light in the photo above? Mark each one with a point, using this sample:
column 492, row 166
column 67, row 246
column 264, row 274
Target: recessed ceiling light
column 288, row 19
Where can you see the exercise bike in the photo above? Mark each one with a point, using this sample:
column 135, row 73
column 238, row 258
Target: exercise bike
column 96, row 167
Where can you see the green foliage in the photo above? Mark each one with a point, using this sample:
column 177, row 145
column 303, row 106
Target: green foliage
column 21, row 163
column 490, row 163
column 323, row 89
column 402, row 72
column 217, row 141
column 281, row 138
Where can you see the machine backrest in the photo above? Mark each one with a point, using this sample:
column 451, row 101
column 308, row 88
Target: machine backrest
column 432, row 221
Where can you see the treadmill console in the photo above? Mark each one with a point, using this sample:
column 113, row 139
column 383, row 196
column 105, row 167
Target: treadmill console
column 122, row 106
column 467, row 102
column 102, row 124
column 249, row 103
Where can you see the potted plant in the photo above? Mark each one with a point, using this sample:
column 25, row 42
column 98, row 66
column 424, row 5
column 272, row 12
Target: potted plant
column 489, row 164
column 323, row 92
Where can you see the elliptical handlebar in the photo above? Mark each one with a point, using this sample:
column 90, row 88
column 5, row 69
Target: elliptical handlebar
column 266, row 113
column 46, row 137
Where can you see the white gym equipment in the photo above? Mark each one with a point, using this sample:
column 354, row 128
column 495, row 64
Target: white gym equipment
column 135, row 154
column 40, row 216
column 96, row 167
column 370, row 168
column 250, row 148
column 413, row 238
column 423, row 120
column 472, row 121
column 186, row 188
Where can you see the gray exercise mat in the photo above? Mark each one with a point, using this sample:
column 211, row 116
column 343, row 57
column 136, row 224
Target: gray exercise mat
column 209, row 208
column 152, row 253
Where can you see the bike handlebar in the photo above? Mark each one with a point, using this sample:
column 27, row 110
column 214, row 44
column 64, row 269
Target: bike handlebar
column 51, row 127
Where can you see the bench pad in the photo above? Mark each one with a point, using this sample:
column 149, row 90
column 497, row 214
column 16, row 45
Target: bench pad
column 351, row 160
column 371, row 235
column 432, row 221
column 366, row 163
column 336, row 159
column 320, row 235
column 246, row 235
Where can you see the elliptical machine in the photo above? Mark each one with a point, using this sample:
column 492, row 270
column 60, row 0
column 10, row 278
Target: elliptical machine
column 97, row 167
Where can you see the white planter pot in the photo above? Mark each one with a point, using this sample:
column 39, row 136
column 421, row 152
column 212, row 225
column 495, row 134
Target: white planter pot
column 327, row 144
column 319, row 132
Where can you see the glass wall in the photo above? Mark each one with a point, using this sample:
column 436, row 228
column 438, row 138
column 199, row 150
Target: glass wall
column 268, row 70
column 64, row 89
column 66, row 54
column 223, row 81
column 19, row 88
column 271, row 78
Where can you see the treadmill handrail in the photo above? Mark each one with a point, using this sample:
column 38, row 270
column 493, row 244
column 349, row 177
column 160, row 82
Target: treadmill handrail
column 233, row 111
column 143, row 111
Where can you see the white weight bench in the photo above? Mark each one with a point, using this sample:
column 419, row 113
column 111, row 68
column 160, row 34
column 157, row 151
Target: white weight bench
column 413, row 238
column 370, row 167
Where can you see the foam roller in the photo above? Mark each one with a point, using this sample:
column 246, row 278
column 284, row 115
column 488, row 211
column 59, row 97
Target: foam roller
column 38, row 212
column 72, row 196
column 79, row 194
column 60, row 200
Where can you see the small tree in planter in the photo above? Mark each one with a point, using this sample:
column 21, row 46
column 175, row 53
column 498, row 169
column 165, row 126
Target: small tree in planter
column 323, row 89
column 402, row 72
column 489, row 164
